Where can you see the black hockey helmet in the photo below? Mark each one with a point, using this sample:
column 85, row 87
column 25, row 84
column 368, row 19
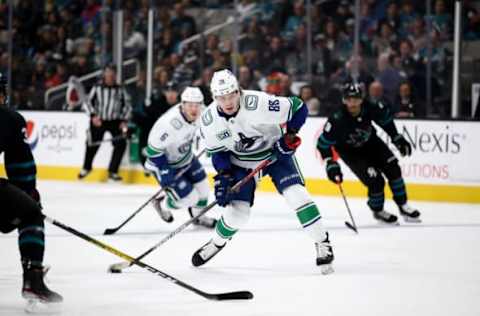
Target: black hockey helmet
column 352, row 90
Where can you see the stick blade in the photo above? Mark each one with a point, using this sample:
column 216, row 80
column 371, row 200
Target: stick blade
column 238, row 295
column 351, row 227
column 110, row 231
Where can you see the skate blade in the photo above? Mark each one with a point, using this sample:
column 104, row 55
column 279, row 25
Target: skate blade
column 39, row 307
column 387, row 224
column 409, row 219
column 326, row 269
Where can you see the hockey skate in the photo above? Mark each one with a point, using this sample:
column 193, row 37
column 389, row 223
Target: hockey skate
column 83, row 173
column 385, row 217
column 112, row 176
column 204, row 254
column 205, row 221
column 324, row 256
column 164, row 214
column 409, row 214
column 39, row 297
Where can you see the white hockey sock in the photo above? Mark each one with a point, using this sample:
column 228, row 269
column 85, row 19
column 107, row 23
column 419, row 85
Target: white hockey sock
column 307, row 212
column 235, row 216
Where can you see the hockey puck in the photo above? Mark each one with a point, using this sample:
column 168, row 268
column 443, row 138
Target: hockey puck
column 113, row 270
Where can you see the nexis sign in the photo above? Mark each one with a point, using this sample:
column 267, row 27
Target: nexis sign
column 443, row 151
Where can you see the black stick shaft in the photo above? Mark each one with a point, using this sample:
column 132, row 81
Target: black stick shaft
column 221, row 296
column 353, row 226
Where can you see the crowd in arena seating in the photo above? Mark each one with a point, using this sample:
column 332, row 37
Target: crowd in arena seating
column 54, row 39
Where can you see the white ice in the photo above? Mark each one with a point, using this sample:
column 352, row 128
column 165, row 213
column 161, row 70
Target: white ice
column 430, row 268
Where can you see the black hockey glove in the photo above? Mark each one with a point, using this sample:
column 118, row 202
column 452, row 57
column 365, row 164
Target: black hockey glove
column 286, row 146
column 402, row 145
column 223, row 183
column 334, row 172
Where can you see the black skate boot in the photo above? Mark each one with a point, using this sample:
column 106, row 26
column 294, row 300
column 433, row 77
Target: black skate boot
column 164, row 214
column 385, row 217
column 34, row 288
column 205, row 221
column 204, row 254
column 325, row 255
column 83, row 173
column 409, row 214
column 113, row 176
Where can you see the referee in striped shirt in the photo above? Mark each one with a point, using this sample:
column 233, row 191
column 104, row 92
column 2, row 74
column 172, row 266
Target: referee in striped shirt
column 109, row 108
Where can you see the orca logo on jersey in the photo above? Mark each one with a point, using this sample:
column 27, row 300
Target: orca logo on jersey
column 184, row 148
column 249, row 144
column 360, row 137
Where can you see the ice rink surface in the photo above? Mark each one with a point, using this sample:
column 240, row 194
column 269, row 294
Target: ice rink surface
column 432, row 268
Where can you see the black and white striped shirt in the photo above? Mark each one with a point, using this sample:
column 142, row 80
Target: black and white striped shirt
column 108, row 102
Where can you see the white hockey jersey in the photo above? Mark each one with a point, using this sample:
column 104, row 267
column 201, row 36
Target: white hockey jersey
column 251, row 134
column 172, row 135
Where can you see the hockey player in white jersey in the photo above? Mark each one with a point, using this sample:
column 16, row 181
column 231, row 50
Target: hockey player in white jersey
column 170, row 150
column 242, row 128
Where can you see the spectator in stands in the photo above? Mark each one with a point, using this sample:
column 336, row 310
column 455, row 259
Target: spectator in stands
column 375, row 92
column 167, row 44
column 384, row 40
column 204, row 84
column 337, row 42
column 285, row 85
column 245, row 79
column 296, row 19
column 405, row 105
column 368, row 24
column 343, row 13
column 418, row 36
column 171, row 94
column 134, row 42
column 58, row 77
column 392, row 17
column 307, row 94
column 296, row 58
column 388, row 76
column 408, row 62
column 442, row 20
column 274, row 56
column 182, row 23
column 407, row 17
column 471, row 18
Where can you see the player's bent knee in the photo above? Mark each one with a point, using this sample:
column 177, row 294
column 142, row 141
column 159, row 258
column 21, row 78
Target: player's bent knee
column 237, row 214
column 190, row 200
column 296, row 195
column 392, row 170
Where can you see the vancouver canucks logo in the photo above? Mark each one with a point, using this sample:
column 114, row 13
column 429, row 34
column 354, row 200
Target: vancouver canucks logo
column 359, row 137
column 249, row 144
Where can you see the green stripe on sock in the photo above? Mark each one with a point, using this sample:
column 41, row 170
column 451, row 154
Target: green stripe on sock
column 31, row 240
column 201, row 203
column 223, row 230
column 171, row 202
column 307, row 213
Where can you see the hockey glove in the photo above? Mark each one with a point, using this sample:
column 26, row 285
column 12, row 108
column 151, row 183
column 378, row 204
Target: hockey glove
column 286, row 146
column 223, row 182
column 167, row 177
column 334, row 172
column 402, row 145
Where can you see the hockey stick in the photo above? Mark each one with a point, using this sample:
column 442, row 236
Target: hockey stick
column 112, row 139
column 118, row 267
column 351, row 226
column 110, row 231
column 238, row 295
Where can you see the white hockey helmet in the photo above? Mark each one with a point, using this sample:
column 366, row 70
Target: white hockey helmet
column 192, row 94
column 223, row 82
